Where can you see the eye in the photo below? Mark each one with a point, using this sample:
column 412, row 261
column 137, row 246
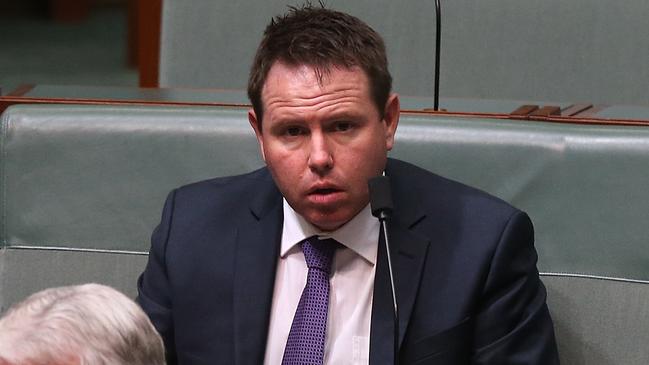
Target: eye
column 293, row 131
column 342, row 126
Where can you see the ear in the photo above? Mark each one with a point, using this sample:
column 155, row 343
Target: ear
column 255, row 123
column 391, row 119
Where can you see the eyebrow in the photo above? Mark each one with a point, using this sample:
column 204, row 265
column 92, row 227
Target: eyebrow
column 294, row 117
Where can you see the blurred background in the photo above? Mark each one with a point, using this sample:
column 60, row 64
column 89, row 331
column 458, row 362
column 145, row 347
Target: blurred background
column 581, row 57
column 71, row 42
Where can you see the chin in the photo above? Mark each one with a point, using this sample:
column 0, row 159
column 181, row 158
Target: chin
column 328, row 224
column 325, row 225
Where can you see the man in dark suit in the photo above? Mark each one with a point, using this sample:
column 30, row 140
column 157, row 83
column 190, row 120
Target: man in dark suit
column 231, row 277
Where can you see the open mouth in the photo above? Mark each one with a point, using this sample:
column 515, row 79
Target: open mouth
column 325, row 195
column 324, row 191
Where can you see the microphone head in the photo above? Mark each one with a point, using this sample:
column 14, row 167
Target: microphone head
column 380, row 196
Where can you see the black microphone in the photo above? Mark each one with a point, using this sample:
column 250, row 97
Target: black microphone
column 381, row 206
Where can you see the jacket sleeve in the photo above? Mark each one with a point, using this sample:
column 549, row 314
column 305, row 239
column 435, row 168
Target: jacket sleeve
column 154, row 292
column 513, row 324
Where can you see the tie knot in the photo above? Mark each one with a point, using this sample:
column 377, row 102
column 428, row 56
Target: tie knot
column 319, row 253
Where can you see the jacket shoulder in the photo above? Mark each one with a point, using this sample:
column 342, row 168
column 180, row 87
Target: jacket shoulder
column 225, row 195
column 441, row 195
column 227, row 184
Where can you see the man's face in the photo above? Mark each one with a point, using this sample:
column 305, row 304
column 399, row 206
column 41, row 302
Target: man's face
column 323, row 141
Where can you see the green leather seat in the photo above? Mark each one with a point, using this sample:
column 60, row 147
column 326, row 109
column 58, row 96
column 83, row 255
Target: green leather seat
column 82, row 188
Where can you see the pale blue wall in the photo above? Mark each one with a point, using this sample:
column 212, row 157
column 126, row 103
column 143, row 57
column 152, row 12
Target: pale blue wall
column 547, row 50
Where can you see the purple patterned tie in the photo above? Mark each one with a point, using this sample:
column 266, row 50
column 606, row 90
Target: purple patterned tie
column 306, row 341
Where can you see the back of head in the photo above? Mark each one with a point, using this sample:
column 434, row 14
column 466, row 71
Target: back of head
column 321, row 38
column 87, row 324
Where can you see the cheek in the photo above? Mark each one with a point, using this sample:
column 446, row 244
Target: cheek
column 274, row 153
column 375, row 153
column 363, row 164
column 286, row 167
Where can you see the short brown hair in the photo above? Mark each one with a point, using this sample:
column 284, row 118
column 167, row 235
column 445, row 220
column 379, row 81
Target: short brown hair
column 321, row 38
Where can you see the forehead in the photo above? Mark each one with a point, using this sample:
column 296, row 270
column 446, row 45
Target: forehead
column 306, row 81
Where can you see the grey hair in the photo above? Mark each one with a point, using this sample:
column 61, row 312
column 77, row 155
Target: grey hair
column 89, row 324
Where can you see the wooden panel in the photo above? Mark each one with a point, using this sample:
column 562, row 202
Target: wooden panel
column 149, row 14
column 524, row 110
column 575, row 109
column 546, row 111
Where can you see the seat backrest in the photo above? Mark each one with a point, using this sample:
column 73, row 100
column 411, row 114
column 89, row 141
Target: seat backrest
column 574, row 51
column 82, row 188
column 583, row 187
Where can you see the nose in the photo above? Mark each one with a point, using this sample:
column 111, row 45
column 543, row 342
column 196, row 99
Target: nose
column 320, row 154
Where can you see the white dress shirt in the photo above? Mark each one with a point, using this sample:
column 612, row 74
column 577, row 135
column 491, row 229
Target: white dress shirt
column 347, row 339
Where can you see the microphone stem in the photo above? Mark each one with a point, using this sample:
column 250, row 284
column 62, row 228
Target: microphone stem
column 438, row 41
column 384, row 225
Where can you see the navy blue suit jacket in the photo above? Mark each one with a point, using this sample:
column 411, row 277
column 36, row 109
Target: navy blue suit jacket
column 465, row 272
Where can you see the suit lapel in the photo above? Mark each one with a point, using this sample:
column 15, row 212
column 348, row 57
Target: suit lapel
column 408, row 256
column 408, row 265
column 408, row 250
column 256, row 259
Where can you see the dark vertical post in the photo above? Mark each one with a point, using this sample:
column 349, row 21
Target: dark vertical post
column 438, row 41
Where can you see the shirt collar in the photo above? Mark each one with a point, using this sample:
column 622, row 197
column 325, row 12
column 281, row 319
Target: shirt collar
column 361, row 234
